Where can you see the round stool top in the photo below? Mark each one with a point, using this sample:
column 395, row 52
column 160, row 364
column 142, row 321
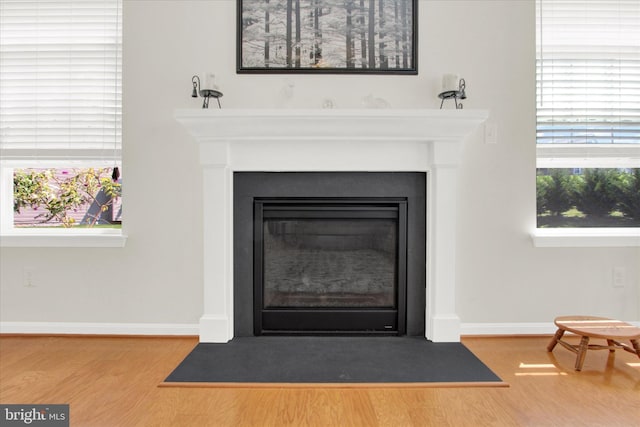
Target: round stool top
column 597, row 327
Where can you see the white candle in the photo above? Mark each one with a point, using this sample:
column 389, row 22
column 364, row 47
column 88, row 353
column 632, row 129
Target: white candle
column 209, row 81
column 450, row 82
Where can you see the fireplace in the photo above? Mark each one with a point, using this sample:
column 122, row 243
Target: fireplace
column 231, row 142
column 329, row 266
column 329, row 253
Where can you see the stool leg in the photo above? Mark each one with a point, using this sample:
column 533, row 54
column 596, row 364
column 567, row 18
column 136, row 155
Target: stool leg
column 554, row 340
column 611, row 344
column 636, row 346
column 582, row 352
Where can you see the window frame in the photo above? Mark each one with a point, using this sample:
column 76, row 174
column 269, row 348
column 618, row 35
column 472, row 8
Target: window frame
column 11, row 236
column 27, row 154
column 582, row 155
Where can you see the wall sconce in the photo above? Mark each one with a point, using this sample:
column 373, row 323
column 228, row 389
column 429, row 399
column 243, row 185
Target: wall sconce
column 453, row 88
column 205, row 93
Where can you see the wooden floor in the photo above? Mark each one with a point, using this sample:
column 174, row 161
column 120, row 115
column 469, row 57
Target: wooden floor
column 114, row 382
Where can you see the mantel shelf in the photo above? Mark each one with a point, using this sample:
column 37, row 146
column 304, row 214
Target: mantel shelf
column 215, row 125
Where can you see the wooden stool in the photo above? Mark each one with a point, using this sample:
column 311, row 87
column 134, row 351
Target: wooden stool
column 595, row 327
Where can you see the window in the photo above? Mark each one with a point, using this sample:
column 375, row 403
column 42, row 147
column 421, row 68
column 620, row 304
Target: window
column 60, row 110
column 588, row 113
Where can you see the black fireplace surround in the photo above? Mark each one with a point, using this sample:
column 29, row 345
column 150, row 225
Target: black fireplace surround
column 329, row 253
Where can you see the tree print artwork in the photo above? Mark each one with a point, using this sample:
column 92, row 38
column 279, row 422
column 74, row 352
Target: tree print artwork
column 353, row 36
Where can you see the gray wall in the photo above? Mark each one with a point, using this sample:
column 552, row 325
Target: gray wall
column 157, row 277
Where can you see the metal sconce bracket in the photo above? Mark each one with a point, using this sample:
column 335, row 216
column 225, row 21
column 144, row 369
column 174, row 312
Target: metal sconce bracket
column 204, row 93
column 455, row 95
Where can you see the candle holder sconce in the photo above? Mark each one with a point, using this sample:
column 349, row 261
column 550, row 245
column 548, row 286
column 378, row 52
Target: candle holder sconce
column 204, row 93
column 455, row 95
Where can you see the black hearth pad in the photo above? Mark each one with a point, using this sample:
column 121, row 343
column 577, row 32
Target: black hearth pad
column 331, row 360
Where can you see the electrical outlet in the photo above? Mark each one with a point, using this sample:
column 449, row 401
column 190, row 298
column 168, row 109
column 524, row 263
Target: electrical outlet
column 619, row 277
column 27, row 278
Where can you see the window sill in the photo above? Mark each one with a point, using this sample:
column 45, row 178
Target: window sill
column 585, row 237
column 63, row 239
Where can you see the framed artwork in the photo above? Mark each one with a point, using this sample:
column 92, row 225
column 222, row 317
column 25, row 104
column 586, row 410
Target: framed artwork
column 327, row 36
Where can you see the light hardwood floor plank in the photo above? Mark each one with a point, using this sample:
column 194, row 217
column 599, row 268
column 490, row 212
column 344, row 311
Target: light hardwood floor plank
column 114, row 381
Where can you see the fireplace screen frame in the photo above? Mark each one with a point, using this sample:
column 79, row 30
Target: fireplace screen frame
column 330, row 320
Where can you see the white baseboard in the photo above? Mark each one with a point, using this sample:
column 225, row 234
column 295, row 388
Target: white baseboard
column 507, row 328
column 544, row 328
column 73, row 328
column 178, row 329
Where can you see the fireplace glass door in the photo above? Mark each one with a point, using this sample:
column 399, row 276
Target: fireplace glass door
column 329, row 266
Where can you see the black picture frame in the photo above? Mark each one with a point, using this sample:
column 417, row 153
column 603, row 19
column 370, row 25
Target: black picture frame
column 327, row 36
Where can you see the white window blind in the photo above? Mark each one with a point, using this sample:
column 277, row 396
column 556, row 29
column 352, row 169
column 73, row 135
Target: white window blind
column 588, row 72
column 60, row 79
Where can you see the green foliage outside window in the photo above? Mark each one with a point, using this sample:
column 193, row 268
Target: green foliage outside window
column 553, row 192
column 60, row 193
column 596, row 197
column 628, row 190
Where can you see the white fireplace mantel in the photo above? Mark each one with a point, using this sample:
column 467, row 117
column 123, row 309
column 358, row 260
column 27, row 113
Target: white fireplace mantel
column 416, row 140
